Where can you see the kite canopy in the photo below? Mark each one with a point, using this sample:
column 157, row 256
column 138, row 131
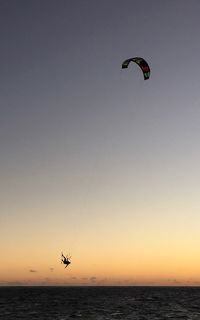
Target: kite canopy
column 141, row 63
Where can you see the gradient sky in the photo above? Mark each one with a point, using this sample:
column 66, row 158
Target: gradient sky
column 94, row 160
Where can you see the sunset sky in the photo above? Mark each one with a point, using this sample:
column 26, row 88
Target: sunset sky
column 95, row 161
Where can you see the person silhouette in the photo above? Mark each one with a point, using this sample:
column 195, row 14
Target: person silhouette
column 65, row 260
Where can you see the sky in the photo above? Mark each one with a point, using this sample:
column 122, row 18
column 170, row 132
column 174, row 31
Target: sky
column 95, row 161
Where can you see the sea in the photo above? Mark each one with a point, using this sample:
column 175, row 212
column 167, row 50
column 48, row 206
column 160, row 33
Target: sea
column 100, row 303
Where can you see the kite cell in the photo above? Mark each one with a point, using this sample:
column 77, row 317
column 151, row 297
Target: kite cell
column 141, row 63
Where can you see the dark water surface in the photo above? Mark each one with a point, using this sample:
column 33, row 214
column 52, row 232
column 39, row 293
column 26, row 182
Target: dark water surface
column 100, row 303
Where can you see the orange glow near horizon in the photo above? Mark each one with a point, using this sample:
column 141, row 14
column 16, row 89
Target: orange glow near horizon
column 129, row 251
column 158, row 264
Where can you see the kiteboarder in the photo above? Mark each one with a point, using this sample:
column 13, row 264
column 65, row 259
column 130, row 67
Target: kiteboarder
column 65, row 260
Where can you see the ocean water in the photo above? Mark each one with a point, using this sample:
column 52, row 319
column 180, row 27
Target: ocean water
column 100, row 303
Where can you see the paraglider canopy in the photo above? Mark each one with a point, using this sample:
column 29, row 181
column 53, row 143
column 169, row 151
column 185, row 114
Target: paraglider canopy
column 141, row 63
